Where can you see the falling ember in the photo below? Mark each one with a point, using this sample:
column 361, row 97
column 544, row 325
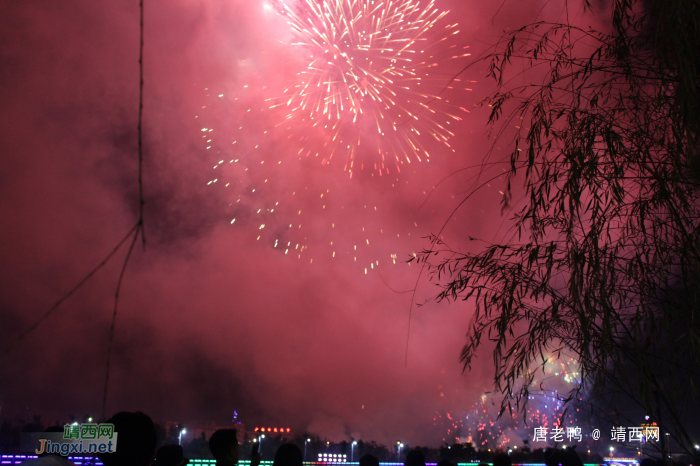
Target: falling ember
column 372, row 82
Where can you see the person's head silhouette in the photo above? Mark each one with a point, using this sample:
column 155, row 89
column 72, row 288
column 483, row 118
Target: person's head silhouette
column 224, row 447
column 136, row 440
column 415, row 458
column 288, row 455
column 369, row 460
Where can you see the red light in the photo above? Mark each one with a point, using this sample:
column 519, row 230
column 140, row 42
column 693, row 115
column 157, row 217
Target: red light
column 256, row 429
column 288, row 429
column 275, row 429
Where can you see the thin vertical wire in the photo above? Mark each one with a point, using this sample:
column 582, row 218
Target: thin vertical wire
column 141, row 198
column 114, row 320
column 140, row 224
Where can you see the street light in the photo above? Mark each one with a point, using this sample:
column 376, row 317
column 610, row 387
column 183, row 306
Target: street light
column 352, row 450
column 179, row 437
column 611, row 450
column 305, row 442
column 400, row 445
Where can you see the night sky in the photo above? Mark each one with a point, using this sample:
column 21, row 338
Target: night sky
column 302, row 325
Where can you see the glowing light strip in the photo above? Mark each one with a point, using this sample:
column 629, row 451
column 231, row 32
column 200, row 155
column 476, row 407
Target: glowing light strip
column 19, row 459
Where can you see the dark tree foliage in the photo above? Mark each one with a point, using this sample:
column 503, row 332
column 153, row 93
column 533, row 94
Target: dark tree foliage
column 602, row 261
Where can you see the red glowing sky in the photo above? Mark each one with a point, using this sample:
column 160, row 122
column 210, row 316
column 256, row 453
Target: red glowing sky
column 211, row 319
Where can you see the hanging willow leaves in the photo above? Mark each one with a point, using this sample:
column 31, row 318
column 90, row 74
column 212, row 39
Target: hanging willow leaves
column 603, row 259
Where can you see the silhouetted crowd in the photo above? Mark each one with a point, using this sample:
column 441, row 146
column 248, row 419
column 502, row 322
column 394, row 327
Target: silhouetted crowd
column 137, row 441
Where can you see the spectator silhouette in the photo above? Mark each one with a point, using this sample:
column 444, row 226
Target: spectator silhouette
column 369, row 460
column 170, row 455
column 569, row 457
column 551, row 457
column 224, row 447
column 288, row 454
column 415, row 458
column 50, row 459
column 445, row 463
column 565, row 457
column 502, row 460
column 136, row 440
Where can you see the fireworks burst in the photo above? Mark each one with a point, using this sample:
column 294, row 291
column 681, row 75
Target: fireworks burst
column 372, row 82
column 370, row 87
column 486, row 427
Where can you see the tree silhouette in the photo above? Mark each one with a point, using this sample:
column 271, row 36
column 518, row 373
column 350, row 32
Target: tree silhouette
column 601, row 258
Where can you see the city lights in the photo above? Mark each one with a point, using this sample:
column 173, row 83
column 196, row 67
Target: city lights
column 332, row 458
column 281, row 430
